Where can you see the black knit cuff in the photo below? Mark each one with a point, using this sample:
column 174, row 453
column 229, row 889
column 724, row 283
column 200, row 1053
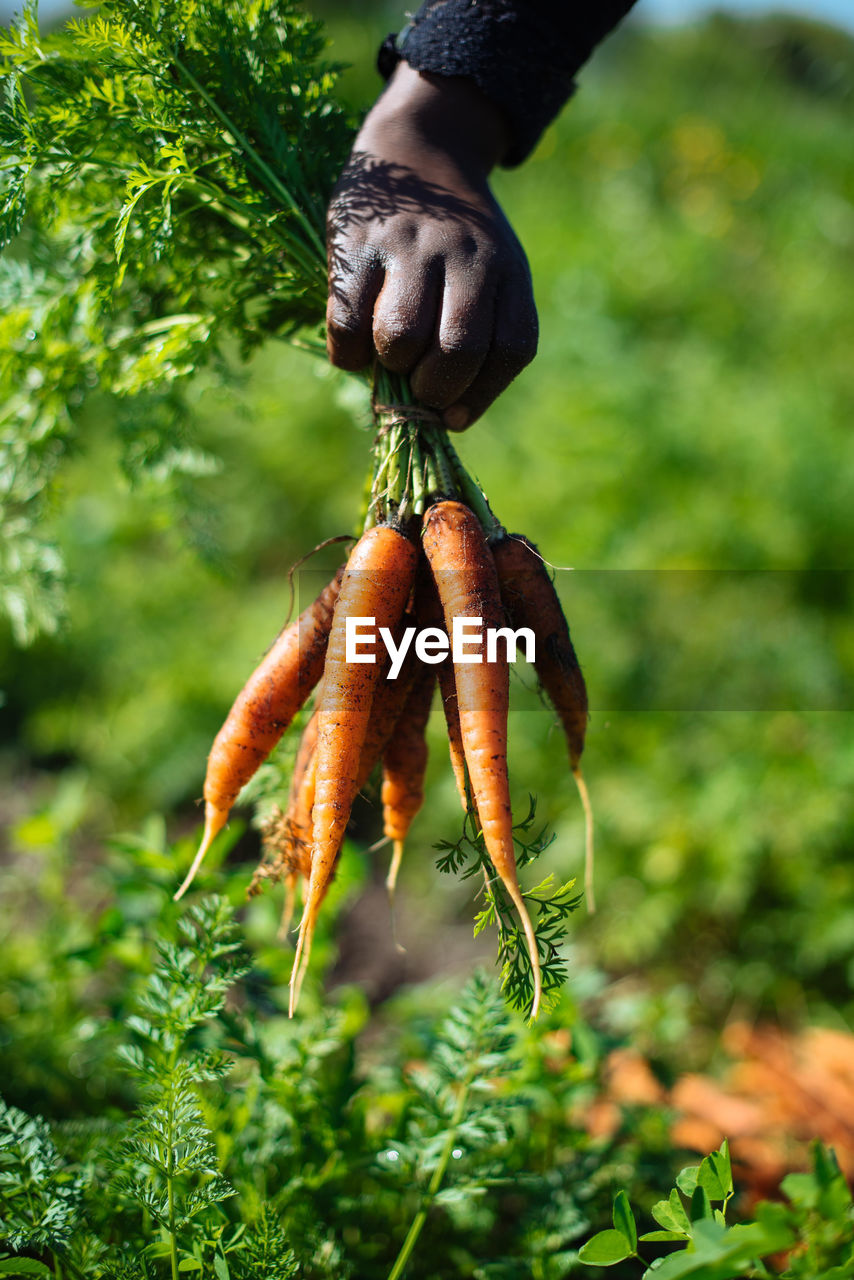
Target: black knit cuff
column 507, row 50
column 388, row 56
column 522, row 54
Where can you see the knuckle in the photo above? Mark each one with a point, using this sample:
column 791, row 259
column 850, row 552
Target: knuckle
column 345, row 341
column 462, row 346
column 342, row 324
column 464, row 333
column 395, row 347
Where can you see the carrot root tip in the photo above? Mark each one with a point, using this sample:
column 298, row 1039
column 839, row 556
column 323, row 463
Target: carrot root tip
column 215, row 820
column 589, row 853
column 301, row 958
column 288, row 908
column 391, row 886
column 394, row 868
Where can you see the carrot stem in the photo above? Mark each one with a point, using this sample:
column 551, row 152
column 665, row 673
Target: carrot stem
column 417, row 473
column 436, row 1180
column 444, row 470
column 473, row 494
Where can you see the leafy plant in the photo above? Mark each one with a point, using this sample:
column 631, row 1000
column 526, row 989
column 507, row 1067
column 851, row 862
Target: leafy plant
column 39, row 1199
column 554, row 904
column 815, row 1228
column 166, row 171
column 170, row 1167
column 459, row 1114
column 254, row 1142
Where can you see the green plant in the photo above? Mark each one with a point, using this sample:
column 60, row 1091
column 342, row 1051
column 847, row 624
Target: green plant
column 39, row 1199
column 168, row 169
column 170, row 1169
column 554, row 903
column 815, row 1228
column 250, row 1141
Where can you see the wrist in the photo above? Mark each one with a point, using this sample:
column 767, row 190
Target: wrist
column 447, row 115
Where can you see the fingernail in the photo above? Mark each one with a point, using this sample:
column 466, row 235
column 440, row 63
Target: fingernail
column 456, row 418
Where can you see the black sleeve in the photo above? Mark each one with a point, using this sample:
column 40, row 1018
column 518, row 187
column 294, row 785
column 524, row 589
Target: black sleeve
column 522, row 54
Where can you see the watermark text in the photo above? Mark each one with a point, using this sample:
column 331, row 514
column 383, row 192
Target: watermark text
column 469, row 641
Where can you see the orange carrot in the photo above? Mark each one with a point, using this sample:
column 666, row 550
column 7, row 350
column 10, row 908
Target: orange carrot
column 376, row 584
column 299, row 830
column 262, row 711
column 284, row 852
column 466, row 580
column 287, row 836
column 387, row 707
column 404, row 766
column 429, row 612
column 531, row 601
column 389, row 701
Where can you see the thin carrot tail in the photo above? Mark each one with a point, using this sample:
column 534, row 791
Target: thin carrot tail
column 298, row 954
column 301, row 957
column 288, row 908
column 394, row 868
column 531, row 938
column 391, row 886
column 584, row 796
column 215, row 820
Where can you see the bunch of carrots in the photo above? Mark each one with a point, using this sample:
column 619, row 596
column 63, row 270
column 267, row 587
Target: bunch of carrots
column 431, row 551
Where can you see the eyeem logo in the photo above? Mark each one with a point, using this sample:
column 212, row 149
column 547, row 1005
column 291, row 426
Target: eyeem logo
column 432, row 643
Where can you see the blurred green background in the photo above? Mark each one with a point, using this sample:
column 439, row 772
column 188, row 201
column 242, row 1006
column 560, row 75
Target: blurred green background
column 683, row 441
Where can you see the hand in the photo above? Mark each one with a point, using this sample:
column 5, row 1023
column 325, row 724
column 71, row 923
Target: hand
column 424, row 268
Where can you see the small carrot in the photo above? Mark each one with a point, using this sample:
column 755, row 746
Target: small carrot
column 289, row 836
column 286, row 838
column 279, row 840
column 388, row 706
column 300, row 837
column 466, row 580
column 376, row 584
column 531, row 601
column 262, row 711
column 404, row 766
column 429, row 612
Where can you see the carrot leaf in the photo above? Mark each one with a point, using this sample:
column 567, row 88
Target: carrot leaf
column 550, row 903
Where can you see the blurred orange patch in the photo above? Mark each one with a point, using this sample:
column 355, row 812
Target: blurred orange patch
column 780, row 1092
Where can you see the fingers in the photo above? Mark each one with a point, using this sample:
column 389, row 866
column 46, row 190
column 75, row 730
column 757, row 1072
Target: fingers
column 405, row 314
column 353, row 292
column 461, row 326
column 514, row 345
column 461, row 340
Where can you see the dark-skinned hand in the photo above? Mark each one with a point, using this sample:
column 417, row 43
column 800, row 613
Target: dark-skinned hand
column 425, row 271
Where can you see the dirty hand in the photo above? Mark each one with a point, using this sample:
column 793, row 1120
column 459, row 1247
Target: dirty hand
column 425, row 271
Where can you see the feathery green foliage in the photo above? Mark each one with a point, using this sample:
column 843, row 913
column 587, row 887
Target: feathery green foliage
column 39, row 1199
column 170, row 1166
column 459, row 1115
column 308, row 1150
column 165, row 172
column 554, row 904
column 252, row 1145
